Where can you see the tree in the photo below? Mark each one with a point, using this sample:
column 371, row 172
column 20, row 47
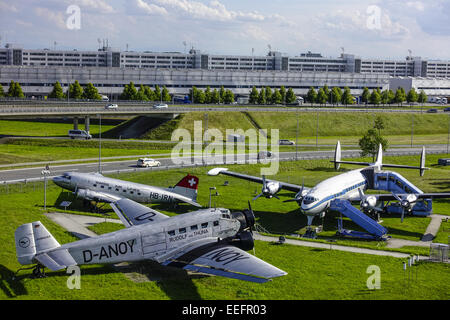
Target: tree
column 141, row 96
column 375, row 97
column 290, row 96
column 370, row 142
column 412, row 96
column 321, row 96
column 193, row 94
column 57, row 92
column 199, row 96
column 276, row 97
column 253, row 99
column 129, row 92
column 15, row 91
column 165, row 95
column 391, row 96
column 327, row 93
column 378, row 124
column 262, row 96
column 157, row 93
column 311, row 96
column 422, row 98
column 336, row 96
column 347, row 97
column 283, row 94
column 215, row 96
column 149, row 93
column 208, row 95
column 268, row 95
column 385, row 97
column 222, row 94
column 90, row 92
column 75, row 91
column 365, row 95
column 229, row 97
column 400, row 96
column 2, row 93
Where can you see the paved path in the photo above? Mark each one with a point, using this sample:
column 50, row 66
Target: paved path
column 77, row 224
column 337, row 247
column 433, row 227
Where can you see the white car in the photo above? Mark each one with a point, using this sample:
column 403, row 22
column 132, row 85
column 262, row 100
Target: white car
column 79, row 134
column 111, row 106
column 147, row 162
column 284, row 142
column 160, row 106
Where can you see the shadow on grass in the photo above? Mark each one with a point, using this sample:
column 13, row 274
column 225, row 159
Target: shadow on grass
column 11, row 288
column 176, row 283
column 327, row 169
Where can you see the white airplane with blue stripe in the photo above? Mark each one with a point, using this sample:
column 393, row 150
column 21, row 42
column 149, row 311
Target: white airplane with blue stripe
column 347, row 187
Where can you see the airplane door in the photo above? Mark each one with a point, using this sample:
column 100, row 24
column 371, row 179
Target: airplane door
column 153, row 241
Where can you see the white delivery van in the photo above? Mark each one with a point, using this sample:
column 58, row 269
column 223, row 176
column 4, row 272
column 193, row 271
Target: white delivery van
column 79, row 134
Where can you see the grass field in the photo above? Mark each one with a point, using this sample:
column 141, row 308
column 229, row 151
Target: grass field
column 312, row 273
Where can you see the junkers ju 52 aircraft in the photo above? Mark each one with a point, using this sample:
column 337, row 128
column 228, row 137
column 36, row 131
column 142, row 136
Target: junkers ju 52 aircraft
column 211, row 241
column 337, row 194
column 96, row 187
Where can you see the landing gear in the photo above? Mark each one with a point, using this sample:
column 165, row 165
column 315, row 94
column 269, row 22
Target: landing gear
column 310, row 232
column 39, row 271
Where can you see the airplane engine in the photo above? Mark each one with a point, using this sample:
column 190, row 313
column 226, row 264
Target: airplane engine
column 87, row 194
column 246, row 218
column 243, row 240
column 369, row 203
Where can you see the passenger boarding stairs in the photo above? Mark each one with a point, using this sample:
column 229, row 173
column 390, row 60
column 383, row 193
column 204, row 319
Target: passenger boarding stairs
column 396, row 183
column 386, row 181
column 375, row 230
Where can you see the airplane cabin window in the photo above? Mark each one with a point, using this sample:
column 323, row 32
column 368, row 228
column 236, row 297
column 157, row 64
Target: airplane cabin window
column 171, row 232
column 194, row 227
column 204, row 225
column 216, row 223
column 182, row 230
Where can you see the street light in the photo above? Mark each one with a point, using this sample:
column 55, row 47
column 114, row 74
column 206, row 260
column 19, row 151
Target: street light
column 100, row 145
column 210, row 195
column 45, row 173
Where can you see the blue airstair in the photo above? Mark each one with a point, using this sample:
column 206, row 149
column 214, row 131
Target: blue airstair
column 375, row 230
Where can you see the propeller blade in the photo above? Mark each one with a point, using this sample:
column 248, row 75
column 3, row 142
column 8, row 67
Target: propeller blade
column 403, row 215
column 275, row 196
column 259, row 195
column 250, row 206
column 397, row 197
column 291, row 200
column 361, row 194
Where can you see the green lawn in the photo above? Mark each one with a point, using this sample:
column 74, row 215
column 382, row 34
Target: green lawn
column 312, row 273
column 45, row 129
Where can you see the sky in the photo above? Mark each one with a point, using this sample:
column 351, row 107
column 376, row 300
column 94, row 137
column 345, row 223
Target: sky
column 385, row 29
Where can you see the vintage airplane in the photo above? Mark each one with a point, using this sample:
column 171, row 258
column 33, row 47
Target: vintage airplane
column 211, row 241
column 337, row 193
column 96, row 187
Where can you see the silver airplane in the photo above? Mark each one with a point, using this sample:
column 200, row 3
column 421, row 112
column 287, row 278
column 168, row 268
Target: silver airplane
column 96, row 187
column 211, row 241
column 348, row 187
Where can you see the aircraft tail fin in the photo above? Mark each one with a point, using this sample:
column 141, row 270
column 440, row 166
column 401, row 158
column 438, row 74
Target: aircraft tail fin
column 187, row 187
column 34, row 243
column 421, row 167
column 337, row 158
column 379, row 162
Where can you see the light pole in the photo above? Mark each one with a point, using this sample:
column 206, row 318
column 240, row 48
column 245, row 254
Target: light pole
column 296, row 139
column 100, row 145
column 210, row 195
column 45, row 173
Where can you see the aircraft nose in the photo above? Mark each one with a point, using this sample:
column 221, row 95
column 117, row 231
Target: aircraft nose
column 57, row 180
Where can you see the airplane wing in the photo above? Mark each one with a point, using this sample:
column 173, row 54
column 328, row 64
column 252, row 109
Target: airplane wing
column 387, row 197
column 132, row 213
column 222, row 259
column 97, row 196
column 225, row 171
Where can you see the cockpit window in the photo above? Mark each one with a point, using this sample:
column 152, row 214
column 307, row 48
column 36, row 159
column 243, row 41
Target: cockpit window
column 309, row 200
column 66, row 176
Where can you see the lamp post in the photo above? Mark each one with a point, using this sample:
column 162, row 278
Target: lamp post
column 210, row 195
column 45, row 173
column 100, row 145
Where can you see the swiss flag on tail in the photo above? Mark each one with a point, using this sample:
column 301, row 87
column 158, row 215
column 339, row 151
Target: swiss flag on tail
column 190, row 182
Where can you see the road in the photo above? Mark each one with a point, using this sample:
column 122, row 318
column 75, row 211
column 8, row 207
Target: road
column 35, row 173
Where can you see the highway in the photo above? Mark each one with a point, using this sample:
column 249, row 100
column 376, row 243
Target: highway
column 64, row 109
column 35, row 173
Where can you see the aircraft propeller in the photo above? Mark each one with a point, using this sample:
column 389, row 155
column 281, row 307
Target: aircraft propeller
column 268, row 190
column 405, row 203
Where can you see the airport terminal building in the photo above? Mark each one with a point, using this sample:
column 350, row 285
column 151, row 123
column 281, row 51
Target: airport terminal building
column 110, row 69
